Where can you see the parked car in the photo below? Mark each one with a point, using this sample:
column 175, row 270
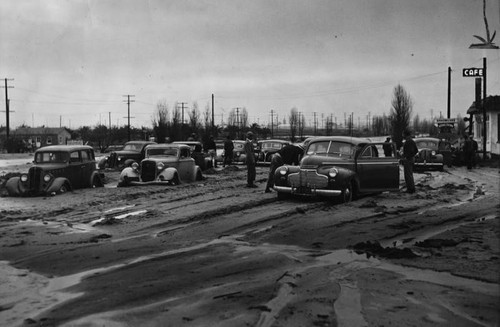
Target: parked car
column 132, row 151
column 269, row 147
column 239, row 151
column 167, row 164
column 201, row 158
column 341, row 168
column 57, row 169
column 430, row 156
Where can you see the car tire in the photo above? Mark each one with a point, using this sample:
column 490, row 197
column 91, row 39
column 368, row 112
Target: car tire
column 175, row 180
column 63, row 189
column 282, row 195
column 96, row 182
column 199, row 176
column 347, row 193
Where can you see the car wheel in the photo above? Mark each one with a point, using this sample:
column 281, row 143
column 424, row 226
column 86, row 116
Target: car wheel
column 175, row 180
column 199, row 176
column 347, row 194
column 283, row 196
column 96, row 182
column 63, row 189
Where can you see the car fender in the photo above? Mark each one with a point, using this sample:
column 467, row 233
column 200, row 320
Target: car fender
column 345, row 176
column 56, row 184
column 13, row 186
column 97, row 175
column 128, row 173
column 167, row 174
column 196, row 171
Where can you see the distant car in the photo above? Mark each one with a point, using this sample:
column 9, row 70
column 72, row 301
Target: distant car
column 429, row 154
column 57, row 169
column 113, row 148
column 239, row 151
column 169, row 164
column 132, row 151
column 268, row 148
column 201, row 158
column 339, row 168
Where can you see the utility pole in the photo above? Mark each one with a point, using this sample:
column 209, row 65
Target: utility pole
column 213, row 116
column 449, row 92
column 238, row 120
column 272, row 123
column 128, row 114
column 484, row 108
column 314, row 121
column 7, row 105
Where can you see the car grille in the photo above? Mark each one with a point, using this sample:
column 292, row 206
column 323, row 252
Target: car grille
column 426, row 155
column 34, row 177
column 308, row 178
column 148, row 171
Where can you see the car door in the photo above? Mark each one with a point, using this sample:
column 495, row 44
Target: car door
column 186, row 165
column 377, row 172
column 75, row 169
column 88, row 166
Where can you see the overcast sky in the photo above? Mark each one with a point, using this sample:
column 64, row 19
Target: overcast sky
column 72, row 61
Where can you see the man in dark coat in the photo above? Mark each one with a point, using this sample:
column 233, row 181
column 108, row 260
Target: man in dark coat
column 250, row 160
column 228, row 151
column 288, row 155
column 410, row 150
column 387, row 147
column 469, row 151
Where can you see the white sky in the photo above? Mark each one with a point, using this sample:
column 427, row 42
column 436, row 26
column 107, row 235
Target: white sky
column 73, row 60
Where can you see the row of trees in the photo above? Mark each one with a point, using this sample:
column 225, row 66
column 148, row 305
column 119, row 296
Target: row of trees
column 180, row 123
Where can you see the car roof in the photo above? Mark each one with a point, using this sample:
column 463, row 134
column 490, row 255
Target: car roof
column 427, row 139
column 275, row 140
column 348, row 139
column 167, row 145
column 65, row 148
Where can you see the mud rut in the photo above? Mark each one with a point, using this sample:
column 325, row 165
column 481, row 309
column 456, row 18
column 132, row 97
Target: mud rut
column 245, row 257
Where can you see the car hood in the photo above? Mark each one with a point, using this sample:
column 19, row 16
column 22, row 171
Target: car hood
column 316, row 161
column 50, row 167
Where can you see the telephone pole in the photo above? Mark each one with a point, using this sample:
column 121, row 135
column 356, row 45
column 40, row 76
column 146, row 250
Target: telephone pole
column 7, row 105
column 272, row 123
column 128, row 114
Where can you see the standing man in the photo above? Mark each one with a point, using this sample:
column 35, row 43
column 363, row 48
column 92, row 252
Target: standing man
column 288, row 155
column 250, row 160
column 387, row 147
column 410, row 150
column 469, row 152
column 475, row 148
column 228, row 151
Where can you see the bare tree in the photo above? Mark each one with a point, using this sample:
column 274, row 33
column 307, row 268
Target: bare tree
column 160, row 121
column 294, row 123
column 194, row 118
column 402, row 106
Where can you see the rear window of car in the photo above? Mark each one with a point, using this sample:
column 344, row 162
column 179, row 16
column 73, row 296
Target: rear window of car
column 133, row 147
column 426, row 144
column 167, row 152
column 272, row 145
column 51, row 157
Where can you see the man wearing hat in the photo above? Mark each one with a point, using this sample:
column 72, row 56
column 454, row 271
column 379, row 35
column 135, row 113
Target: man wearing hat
column 250, row 160
column 288, row 155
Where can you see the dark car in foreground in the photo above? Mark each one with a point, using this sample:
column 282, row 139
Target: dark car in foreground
column 132, row 151
column 267, row 148
column 164, row 164
column 340, row 168
column 57, row 169
column 430, row 154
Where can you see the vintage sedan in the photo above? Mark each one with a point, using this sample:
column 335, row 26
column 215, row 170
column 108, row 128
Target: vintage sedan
column 429, row 154
column 57, row 169
column 340, row 168
column 164, row 164
column 132, row 151
column 267, row 148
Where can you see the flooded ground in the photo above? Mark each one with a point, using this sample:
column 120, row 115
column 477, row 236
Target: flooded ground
column 215, row 253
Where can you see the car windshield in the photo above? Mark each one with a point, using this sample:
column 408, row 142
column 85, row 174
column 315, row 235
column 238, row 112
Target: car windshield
column 51, row 157
column 162, row 152
column 272, row 145
column 331, row 148
column 427, row 144
column 132, row 147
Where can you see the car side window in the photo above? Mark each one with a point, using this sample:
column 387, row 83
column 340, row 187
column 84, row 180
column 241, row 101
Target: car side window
column 367, row 153
column 85, row 156
column 74, row 156
column 185, row 153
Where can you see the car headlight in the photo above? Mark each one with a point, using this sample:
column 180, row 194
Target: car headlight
column 24, row 178
column 119, row 158
column 46, row 178
column 283, row 170
column 160, row 166
column 135, row 165
column 433, row 153
column 333, row 172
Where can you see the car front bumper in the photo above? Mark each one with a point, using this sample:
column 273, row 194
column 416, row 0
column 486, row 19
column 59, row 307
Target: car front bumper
column 308, row 191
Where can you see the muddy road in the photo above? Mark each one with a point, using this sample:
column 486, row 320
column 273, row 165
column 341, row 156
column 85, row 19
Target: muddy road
column 215, row 253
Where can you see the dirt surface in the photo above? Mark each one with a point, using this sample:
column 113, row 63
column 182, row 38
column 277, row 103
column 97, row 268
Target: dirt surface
column 215, row 253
